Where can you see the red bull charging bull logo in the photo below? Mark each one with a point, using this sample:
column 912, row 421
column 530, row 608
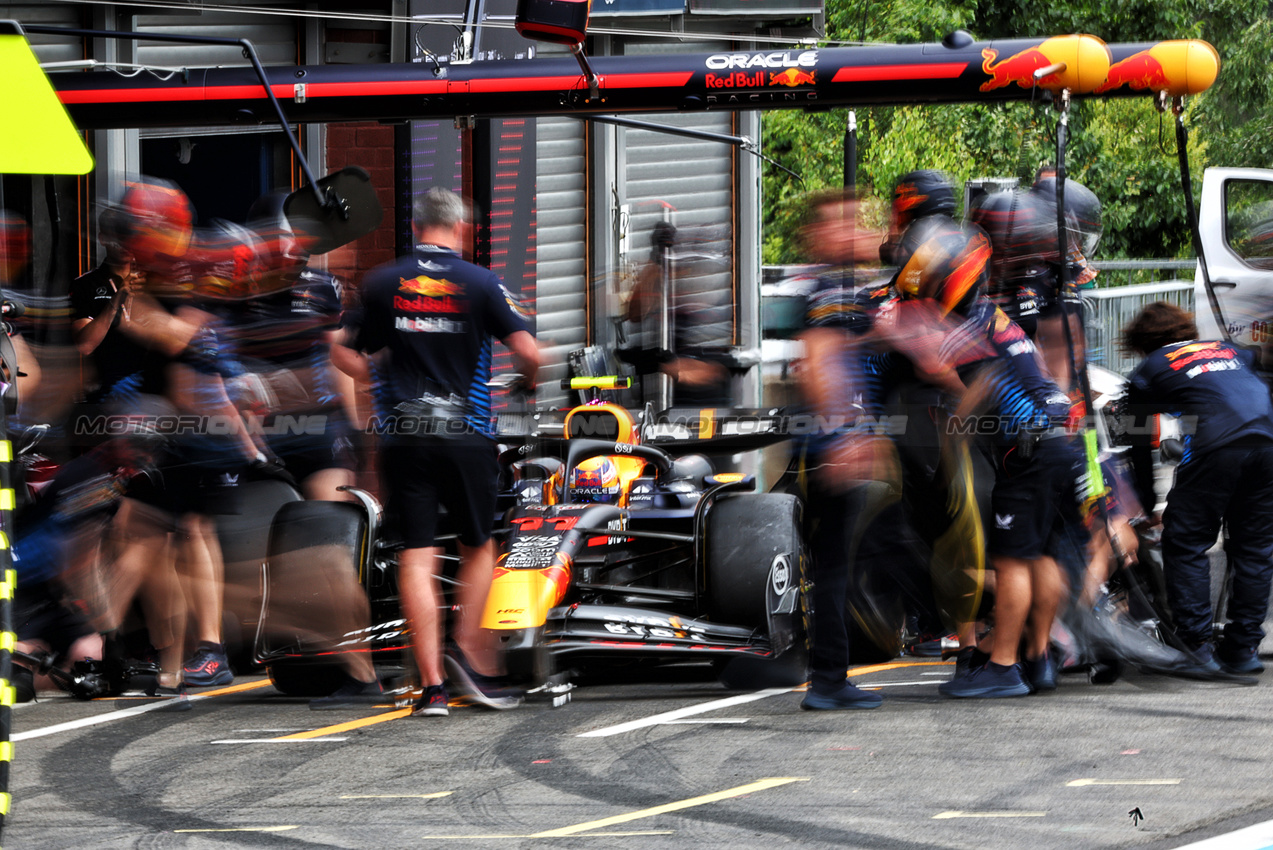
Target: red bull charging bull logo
column 1139, row 71
column 793, row 77
column 429, row 287
column 1018, row 68
column 1175, row 67
column 1078, row 63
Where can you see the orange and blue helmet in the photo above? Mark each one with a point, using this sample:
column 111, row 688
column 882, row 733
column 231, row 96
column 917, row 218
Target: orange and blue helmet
column 946, row 262
column 595, row 480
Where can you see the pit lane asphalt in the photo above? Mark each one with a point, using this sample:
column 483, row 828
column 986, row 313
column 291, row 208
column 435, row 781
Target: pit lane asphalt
column 1060, row 770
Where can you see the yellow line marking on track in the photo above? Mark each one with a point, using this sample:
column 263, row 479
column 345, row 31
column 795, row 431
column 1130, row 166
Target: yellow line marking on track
column 957, row 814
column 235, row 689
column 232, row 689
column 276, row 739
column 759, row 785
column 1079, row 783
column 896, row 665
column 242, row 829
column 345, row 727
column 432, row 796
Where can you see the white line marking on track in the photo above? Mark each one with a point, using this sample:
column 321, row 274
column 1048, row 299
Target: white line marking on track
column 689, row 711
column 432, row 796
column 276, row 740
column 715, row 797
column 958, row 814
column 706, row 721
column 1080, row 783
column 579, row 835
column 1257, row 837
column 242, row 829
column 158, row 705
column 85, row 722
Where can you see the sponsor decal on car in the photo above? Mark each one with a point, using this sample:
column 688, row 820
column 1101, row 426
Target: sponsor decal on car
column 780, row 573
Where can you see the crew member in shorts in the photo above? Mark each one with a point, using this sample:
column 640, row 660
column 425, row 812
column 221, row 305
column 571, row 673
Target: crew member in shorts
column 430, row 319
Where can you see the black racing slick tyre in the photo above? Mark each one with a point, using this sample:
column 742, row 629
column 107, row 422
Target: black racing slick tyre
column 314, row 598
column 754, row 546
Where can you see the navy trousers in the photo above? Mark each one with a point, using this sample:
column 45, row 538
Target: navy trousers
column 1233, row 484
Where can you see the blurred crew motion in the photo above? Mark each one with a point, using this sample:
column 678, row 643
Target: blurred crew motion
column 210, row 393
column 681, row 316
column 180, row 532
column 976, row 517
column 849, row 466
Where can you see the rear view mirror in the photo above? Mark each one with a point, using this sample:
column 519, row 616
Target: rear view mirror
column 351, row 210
column 559, row 21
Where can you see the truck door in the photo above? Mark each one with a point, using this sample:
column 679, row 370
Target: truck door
column 1236, row 224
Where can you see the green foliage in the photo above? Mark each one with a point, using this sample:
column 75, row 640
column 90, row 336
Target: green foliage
column 1121, row 149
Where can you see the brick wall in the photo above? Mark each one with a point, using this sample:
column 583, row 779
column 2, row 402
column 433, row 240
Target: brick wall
column 369, row 146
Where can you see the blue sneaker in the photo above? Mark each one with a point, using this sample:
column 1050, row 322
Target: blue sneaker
column 993, row 681
column 1200, row 663
column 1240, row 661
column 847, row 697
column 968, row 659
column 1041, row 672
column 352, row 694
column 432, row 703
column 207, row 667
column 483, row 690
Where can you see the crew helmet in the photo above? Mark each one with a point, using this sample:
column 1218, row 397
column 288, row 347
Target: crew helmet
column 159, row 222
column 284, row 250
column 1022, row 230
column 1082, row 212
column 946, row 262
column 922, row 193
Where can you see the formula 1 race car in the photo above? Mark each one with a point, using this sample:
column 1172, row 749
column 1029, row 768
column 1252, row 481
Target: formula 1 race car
column 615, row 543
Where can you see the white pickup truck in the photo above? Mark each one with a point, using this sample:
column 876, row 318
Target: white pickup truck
column 1236, row 224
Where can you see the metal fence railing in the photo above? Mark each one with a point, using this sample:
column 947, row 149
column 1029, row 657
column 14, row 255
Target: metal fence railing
column 1109, row 310
column 1114, row 273
column 1110, row 304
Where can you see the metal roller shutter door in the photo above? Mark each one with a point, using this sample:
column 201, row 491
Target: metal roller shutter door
column 49, row 48
column 694, row 179
column 561, row 252
column 273, row 36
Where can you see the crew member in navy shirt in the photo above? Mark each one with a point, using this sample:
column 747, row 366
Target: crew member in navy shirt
column 1226, row 475
column 430, row 319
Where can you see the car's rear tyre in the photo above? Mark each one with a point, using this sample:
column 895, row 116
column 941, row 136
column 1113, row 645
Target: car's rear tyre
column 244, row 516
column 301, row 678
column 315, row 598
column 299, row 525
column 753, row 541
column 749, row 673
